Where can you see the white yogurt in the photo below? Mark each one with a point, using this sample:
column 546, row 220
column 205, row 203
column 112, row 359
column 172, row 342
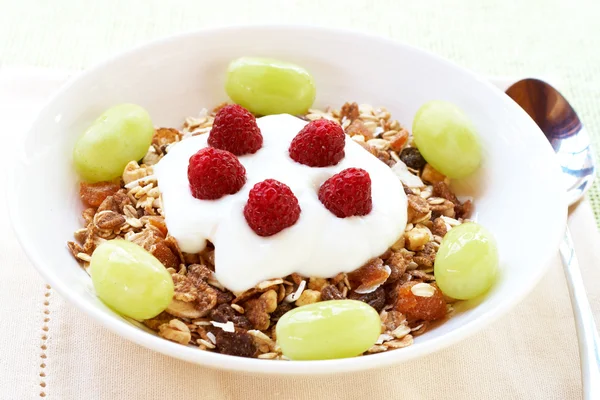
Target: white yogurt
column 319, row 244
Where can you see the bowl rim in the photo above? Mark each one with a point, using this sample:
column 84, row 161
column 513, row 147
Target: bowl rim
column 239, row 364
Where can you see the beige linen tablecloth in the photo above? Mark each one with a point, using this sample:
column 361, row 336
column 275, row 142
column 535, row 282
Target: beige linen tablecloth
column 49, row 348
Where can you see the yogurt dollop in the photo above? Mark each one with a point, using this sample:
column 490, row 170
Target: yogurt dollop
column 318, row 245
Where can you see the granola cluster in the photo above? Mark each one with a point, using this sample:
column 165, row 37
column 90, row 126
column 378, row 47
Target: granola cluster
column 205, row 314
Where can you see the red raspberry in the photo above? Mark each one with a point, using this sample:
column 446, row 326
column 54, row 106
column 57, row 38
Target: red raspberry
column 214, row 173
column 319, row 144
column 271, row 208
column 347, row 193
column 235, row 130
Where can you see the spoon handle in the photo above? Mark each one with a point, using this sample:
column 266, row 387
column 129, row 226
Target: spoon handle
column 587, row 333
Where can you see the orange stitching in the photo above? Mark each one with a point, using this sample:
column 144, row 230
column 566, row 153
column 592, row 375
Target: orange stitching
column 44, row 338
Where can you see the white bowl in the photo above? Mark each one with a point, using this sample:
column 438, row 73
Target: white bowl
column 517, row 192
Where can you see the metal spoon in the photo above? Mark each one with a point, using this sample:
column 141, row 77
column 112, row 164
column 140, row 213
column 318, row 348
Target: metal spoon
column 559, row 122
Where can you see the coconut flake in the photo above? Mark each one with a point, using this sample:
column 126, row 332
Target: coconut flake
column 405, row 176
column 296, row 295
column 227, row 327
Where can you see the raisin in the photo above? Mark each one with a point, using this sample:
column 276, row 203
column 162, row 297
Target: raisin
column 412, row 157
column 420, row 307
column 464, row 210
column 239, row 344
column 370, row 275
column 375, row 299
column 224, row 313
column 331, row 292
column 93, row 194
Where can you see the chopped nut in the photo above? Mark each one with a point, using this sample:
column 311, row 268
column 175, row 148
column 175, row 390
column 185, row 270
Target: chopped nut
column 175, row 331
column 418, row 208
column 164, row 137
column 426, row 257
column 270, row 299
column 439, row 227
column 256, row 312
column 308, row 296
column 317, row 283
column 133, row 172
column 185, row 290
column 349, row 111
column 398, row 262
column 108, row 220
column 416, row 238
column 358, row 128
column 446, row 208
column 431, row 175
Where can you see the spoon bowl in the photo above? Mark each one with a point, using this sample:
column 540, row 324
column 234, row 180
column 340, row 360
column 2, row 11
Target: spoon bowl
column 563, row 129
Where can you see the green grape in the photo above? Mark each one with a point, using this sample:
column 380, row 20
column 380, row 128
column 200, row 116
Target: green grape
column 447, row 139
column 265, row 86
column 328, row 330
column 466, row 263
column 130, row 280
column 123, row 133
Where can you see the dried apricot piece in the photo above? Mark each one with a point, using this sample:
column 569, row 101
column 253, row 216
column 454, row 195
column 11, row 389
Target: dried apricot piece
column 369, row 276
column 93, row 194
column 398, row 142
column 420, row 301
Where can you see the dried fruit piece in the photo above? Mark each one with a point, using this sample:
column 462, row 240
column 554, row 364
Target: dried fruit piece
column 369, row 277
column 234, row 130
column 331, row 292
column 398, row 142
column 415, row 307
column 347, row 193
column 375, row 299
column 236, row 343
column 214, row 173
column 271, row 208
column 225, row 313
column 93, row 194
column 412, row 157
column 319, row 144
